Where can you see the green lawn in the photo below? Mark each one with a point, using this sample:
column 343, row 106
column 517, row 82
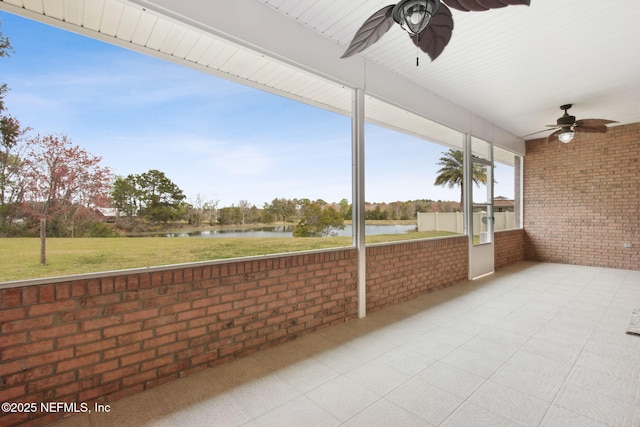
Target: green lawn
column 20, row 257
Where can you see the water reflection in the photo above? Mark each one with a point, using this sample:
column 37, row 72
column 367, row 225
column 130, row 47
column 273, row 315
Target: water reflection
column 287, row 231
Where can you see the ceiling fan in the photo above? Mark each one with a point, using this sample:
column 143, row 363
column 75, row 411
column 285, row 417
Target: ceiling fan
column 567, row 126
column 428, row 22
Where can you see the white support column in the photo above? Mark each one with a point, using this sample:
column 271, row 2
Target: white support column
column 467, row 181
column 357, row 203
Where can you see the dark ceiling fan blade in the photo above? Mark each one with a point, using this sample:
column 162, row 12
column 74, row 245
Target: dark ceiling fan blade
column 455, row 4
column 472, row 5
column 436, row 36
column 594, row 122
column 553, row 136
column 591, row 129
column 481, row 5
column 371, row 31
column 493, row 4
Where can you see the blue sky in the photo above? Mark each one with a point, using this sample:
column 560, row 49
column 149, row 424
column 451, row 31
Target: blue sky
column 212, row 137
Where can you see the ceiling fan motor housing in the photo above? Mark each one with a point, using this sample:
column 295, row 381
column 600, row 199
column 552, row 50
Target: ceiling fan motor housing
column 566, row 119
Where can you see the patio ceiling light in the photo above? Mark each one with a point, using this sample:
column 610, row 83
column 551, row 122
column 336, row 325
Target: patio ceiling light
column 566, row 135
column 414, row 15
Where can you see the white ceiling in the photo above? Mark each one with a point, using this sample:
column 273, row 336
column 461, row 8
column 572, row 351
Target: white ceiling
column 512, row 66
column 505, row 71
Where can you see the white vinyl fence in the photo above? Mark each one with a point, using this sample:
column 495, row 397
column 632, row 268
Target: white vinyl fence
column 454, row 221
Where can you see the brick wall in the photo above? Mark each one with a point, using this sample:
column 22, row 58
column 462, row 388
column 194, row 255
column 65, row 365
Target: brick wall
column 100, row 339
column 401, row 271
column 582, row 199
column 509, row 247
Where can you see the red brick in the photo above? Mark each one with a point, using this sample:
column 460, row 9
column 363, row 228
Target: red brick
column 156, row 363
column 58, row 306
column 7, row 315
column 206, row 302
column 117, row 374
column 87, row 325
column 159, row 300
column 219, row 308
column 11, row 297
column 14, row 339
column 27, row 375
column 159, row 341
column 175, row 308
column 171, row 328
column 73, row 388
column 95, row 346
column 135, row 337
column 97, row 392
column 173, row 367
column 78, row 338
column 78, row 288
column 26, row 324
column 191, row 332
column 77, row 362
column 139, row 378
column 192, row 314
column 146, row 314
column 122, row 307
column 121, row 351
column 137, row 358
column 120, row 283
column 10, row 394
column 46, row 293
column 120, row 330
column 26, row 350
column 99, row 300
column 63, row 291
column 51, row 382
column 56, row 331
column 97, row 368
column 233, row 297
column 29, row 295
column 50, row 357
column 81, row 314
column 159, row 321
column 172, row 348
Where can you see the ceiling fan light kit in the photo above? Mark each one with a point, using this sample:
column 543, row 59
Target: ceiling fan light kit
column 566, row 135
column 415, row 15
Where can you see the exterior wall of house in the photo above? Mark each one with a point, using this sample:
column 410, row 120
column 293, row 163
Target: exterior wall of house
column 582, row 199
column 104, row 337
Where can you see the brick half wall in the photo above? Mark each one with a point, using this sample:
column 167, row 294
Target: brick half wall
column 402, row 271
column 101, row 339
column 509, row 247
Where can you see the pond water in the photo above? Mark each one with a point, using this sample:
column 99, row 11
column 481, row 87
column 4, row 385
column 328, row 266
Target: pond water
column 287, row 231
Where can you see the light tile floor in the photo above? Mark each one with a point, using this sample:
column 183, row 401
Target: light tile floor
column 532, row 345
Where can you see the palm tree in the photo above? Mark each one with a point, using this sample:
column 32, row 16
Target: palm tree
column 452, row 172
